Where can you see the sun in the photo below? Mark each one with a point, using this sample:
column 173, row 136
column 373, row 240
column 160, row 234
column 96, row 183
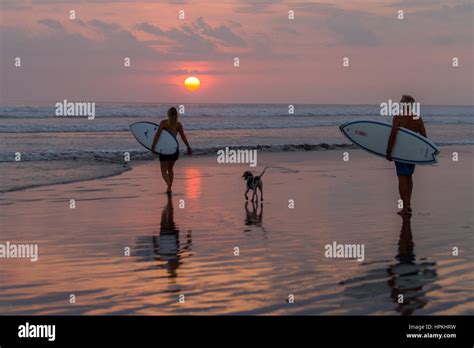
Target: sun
column 192, row 83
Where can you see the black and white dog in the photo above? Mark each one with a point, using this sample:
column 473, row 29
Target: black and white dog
column 254, row 183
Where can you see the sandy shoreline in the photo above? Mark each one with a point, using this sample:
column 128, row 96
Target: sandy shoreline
column 186, row 245
column 17, row 176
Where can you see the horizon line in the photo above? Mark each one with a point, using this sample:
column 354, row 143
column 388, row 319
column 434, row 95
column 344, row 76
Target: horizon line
column 6, row 104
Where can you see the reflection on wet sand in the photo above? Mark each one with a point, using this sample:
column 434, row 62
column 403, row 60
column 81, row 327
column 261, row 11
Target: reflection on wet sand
column 407, row 278
column 166, row 246
column 254, row 216
column 193, row 183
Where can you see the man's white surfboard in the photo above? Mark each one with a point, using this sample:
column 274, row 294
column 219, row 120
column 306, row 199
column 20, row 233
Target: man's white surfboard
column 145, row 132
column 372, row 136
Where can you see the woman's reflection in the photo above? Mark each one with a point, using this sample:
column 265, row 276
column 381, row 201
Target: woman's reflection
column 166, row 246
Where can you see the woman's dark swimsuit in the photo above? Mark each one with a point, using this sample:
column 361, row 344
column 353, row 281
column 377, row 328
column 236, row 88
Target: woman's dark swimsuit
column 172, row 157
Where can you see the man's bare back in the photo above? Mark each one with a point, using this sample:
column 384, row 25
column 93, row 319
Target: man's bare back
column 415, row 125
column 408, row 122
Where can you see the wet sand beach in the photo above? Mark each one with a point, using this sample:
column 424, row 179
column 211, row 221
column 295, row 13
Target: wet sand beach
column 185, row 245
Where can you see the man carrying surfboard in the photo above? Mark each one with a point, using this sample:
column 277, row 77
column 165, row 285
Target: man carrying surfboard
column 405, row 170
column 167, row 162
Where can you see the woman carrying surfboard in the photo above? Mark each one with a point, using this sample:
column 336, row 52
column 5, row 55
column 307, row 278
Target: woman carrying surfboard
column 171, row 125
column 405, row 170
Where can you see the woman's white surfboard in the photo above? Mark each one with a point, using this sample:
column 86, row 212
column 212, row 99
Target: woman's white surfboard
column 372, row 136
column 145, row 132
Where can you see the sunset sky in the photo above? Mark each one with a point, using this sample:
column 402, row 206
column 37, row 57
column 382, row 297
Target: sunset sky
column 281, row 60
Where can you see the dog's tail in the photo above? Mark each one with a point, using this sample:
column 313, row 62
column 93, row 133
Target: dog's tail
column 263, row 171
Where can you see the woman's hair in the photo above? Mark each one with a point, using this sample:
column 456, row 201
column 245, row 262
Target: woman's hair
column 172, row 117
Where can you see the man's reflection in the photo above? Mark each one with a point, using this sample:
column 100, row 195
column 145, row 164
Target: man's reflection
column 405, row 282
column 407, row 278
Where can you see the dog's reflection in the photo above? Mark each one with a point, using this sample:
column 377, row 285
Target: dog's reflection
column 166, row 246
column 254, row 215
